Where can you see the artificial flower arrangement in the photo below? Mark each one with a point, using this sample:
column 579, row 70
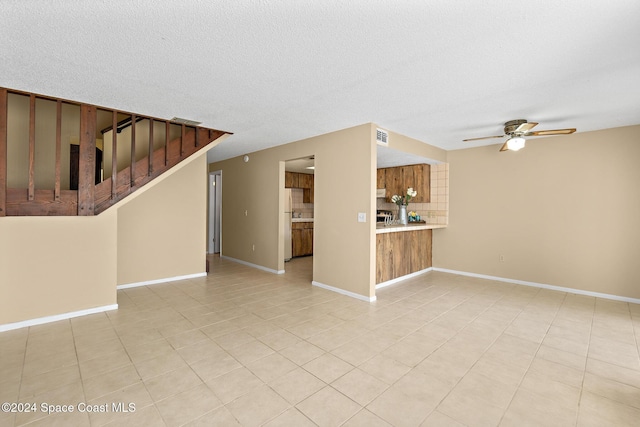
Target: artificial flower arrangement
column 413, row 216
column 404, row 200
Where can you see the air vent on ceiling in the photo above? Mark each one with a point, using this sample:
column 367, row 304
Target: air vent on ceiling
column 185, row 121
column 382, row 137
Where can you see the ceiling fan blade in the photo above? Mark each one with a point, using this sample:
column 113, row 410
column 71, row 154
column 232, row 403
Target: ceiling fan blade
column 484, row 137
column 504, row 147
column 525, row 127
column 551, row 132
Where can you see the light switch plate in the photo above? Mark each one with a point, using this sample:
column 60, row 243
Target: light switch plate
column 362, row 217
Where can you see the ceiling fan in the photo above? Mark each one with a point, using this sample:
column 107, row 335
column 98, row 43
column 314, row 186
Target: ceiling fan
column 516, row 130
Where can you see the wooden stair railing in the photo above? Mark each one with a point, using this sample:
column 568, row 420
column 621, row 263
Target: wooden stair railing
column 148, row 168
column 91, row 198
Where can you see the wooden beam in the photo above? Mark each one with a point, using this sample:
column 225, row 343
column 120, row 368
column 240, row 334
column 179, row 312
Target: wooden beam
column 114, row 156
column 166, row 142
column 3, row 152
column 132, row 163
column 32, row 147
column 56, row 191
column 43, row 204
column 150, row 171
column 87, row 167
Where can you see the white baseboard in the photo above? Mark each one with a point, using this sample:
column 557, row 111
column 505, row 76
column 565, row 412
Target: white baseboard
column 401, row 278
column 541, row 285
column 56, row 317
column 343, row 292
column 259, row 267
column 165, row 280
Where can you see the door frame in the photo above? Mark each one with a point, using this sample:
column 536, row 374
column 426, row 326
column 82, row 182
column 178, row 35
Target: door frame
column 214, row 220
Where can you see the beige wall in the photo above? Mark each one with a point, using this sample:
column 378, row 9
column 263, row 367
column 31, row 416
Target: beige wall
column 344, row 185
column 413, row 146
column 56, row 265
column 563, row 211
column 162, row 232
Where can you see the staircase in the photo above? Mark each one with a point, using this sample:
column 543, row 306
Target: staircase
column 52, row 165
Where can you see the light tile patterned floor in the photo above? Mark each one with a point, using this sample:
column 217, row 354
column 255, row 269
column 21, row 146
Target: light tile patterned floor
column 245, row 347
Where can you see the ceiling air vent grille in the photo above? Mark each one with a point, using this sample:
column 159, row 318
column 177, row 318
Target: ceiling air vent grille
column 186, row 122
column 382, row 137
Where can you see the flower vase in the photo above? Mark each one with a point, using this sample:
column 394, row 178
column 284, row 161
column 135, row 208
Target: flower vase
column 402, row 214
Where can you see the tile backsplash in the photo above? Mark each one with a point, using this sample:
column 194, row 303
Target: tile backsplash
column 437, row 210
column 298, row 206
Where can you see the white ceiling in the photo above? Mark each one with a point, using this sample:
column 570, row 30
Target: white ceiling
column 279, row 71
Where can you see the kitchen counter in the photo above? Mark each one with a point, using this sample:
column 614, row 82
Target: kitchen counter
column 301, row 219
column 381, row 228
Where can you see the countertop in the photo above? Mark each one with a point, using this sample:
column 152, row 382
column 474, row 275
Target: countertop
column 301, row 219
column 381, row 228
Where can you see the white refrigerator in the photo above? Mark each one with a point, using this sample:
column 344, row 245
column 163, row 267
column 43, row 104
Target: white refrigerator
column 288, row 214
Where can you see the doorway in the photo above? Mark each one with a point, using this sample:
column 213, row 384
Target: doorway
column 214, row 239
column 299, row 216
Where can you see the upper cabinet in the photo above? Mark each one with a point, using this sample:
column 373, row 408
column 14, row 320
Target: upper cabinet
column 291, row 180
column 305, row 180
column 397, row 180
column 300, row 180
column 382, row 175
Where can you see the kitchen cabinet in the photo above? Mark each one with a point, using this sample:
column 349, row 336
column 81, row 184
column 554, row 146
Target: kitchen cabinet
column 420, row 176
column 304, row 180
column 301, row 180
column 396, row 181
column 402, row 253
column 302, row 238
column 381, row 177
column 307, row 193
column 291, row 180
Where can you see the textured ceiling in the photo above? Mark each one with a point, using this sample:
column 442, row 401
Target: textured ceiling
column 275, row 72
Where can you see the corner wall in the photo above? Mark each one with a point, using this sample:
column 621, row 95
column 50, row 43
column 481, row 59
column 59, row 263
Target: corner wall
column 563, row 211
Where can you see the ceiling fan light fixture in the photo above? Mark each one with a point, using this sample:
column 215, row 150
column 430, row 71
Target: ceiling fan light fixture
column 515, row 143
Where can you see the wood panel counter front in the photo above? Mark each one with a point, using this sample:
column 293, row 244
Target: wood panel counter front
column 402, row 250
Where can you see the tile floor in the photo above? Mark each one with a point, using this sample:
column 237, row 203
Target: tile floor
column 245, row 347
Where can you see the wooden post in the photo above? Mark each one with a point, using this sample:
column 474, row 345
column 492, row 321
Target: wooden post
column 114, row 155
column 132, row 165
column 32, row 146
column 183, row 132
column 166, row 142
column 87, row 167
column 3, row 152
column 56, row 191
column 150, row 147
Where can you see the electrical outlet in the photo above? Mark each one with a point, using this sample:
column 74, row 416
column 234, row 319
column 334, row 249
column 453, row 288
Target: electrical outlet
column 253, row 248
column 246, row 213
column 501, row 258
column 362, row 217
